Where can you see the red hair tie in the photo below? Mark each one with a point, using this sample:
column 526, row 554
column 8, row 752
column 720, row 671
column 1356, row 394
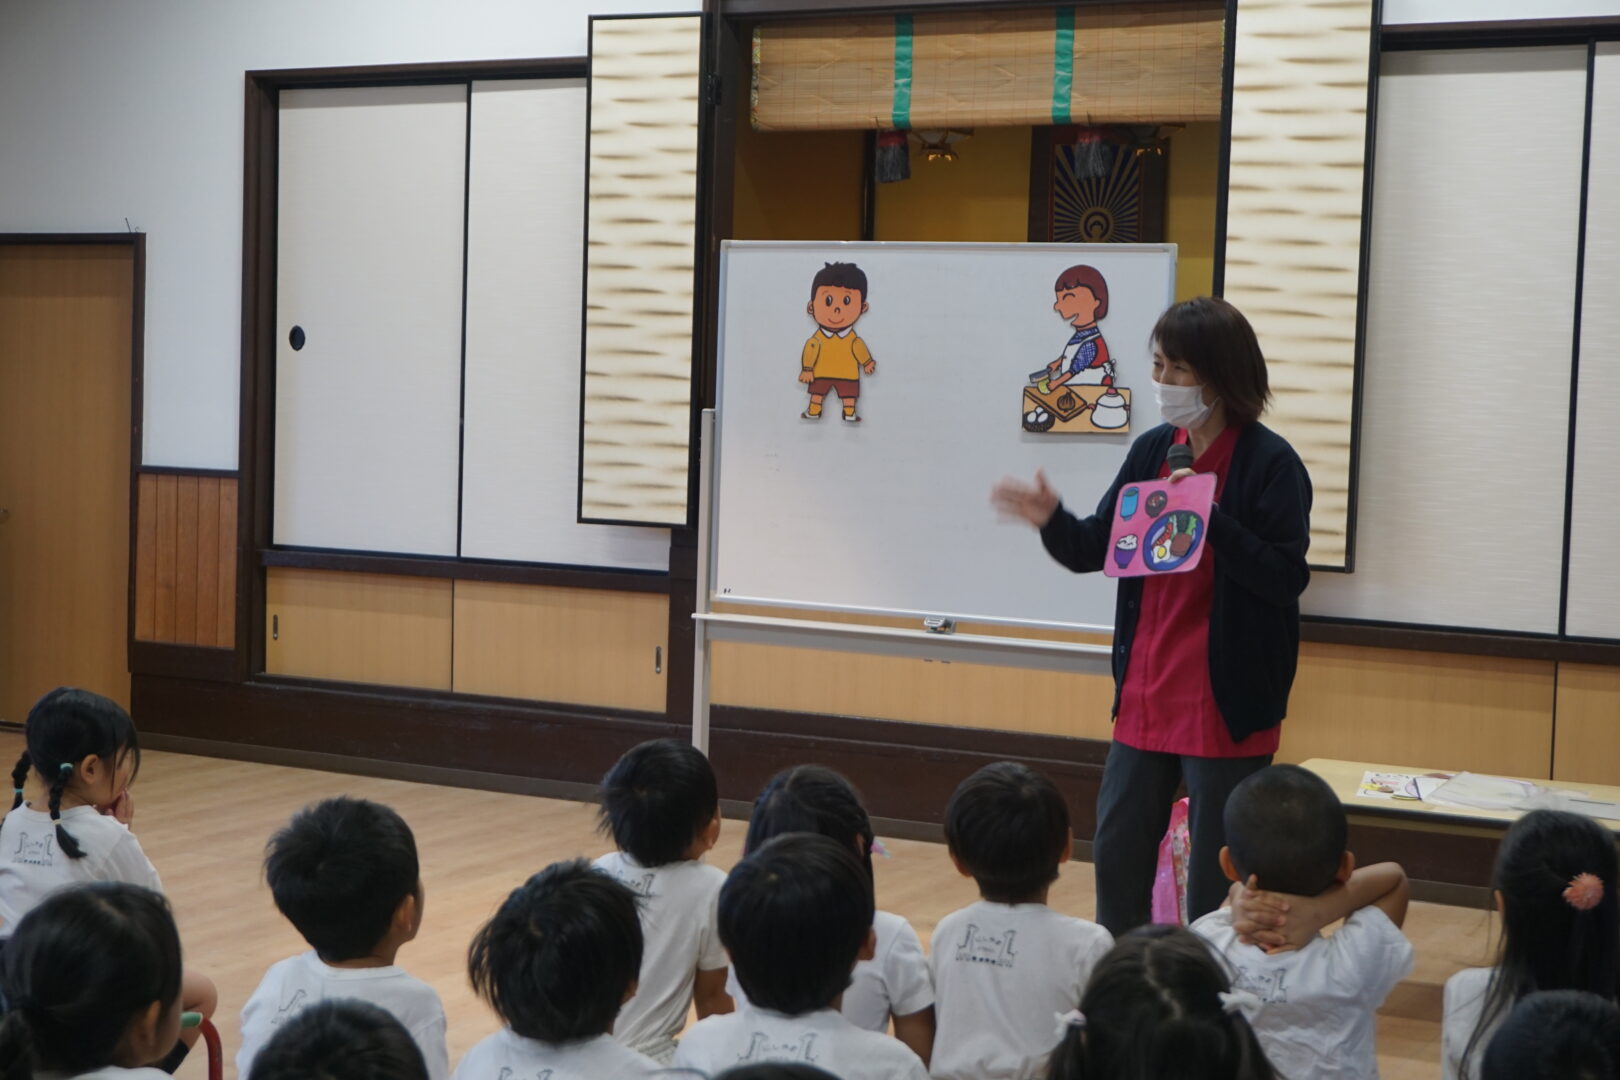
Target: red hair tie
column 1584, row 892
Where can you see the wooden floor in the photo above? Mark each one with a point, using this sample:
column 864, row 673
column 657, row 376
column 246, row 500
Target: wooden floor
column 204, row 823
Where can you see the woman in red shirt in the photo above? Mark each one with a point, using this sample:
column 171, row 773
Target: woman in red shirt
column 1204, row 660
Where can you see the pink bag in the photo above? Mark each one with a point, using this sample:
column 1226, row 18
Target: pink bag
column 1170, row 882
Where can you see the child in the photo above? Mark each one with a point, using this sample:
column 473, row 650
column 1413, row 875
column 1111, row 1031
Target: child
column 92, row 977
column 796, row 915
column 344, row 873
column 895, row 982
column 1555, row 888
column 340, row 1040
column 1005, row 965
column 1159, row 1005
column 1286, row 833
column 82, row 757
column 662, row 807
column 555, row 963
column 834, row 357
column 1556, row 1035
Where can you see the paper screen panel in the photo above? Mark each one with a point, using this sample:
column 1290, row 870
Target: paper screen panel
column 1594, row 579
column 1293, row 227
column 641, row 222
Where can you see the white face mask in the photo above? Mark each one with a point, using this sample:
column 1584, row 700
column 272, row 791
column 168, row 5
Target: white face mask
column 1182, row 406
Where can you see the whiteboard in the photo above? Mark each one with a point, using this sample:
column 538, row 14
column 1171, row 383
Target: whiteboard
column 1470, row 312
column 892, row 515
column 525, row 232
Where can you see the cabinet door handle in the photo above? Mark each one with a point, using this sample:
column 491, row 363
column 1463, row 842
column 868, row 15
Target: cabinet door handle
column 658, row 659
column 275, row 628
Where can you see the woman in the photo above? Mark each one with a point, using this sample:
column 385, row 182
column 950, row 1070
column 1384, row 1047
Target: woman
column 1203, row 661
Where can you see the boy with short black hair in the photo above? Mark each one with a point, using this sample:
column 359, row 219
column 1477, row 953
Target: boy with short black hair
column 834, row 357
column 1005, row 966
column 344, row 872
column 661, row 804
column 340, row 1040
column 795, row 916
column 1286, row 834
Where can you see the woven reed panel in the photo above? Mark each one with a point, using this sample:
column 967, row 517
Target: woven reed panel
column 1132, row 63
column 1293, row 226
column 640, row 258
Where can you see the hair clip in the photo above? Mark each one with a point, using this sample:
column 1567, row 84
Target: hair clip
column 1584, row 892
column 1074, row 1018
column 877, row 848
column 1239, row 1001
column 16, row 791
column 66, row 769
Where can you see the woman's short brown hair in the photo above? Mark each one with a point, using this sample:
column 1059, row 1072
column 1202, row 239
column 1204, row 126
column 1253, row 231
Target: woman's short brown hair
column 1214, row 339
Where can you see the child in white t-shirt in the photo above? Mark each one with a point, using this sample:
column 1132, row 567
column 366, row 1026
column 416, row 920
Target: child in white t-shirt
column 1555, row 885
column 94, row 986
column 343, row 1039
column 1003, row 967
column 344, row 872
column 796, row 916
column 74, row 827
column 556, row 963
column 661, row 805
column 1285, row 834
column 895, row 984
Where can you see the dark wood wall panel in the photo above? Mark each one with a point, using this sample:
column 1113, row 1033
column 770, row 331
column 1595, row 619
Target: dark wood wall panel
column 185, row 559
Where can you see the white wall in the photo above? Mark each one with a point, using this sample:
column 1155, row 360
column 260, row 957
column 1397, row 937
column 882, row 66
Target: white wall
column 112, row 109
column 1443, row 11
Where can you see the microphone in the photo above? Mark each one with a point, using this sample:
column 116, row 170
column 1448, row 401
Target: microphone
column 1179, row 457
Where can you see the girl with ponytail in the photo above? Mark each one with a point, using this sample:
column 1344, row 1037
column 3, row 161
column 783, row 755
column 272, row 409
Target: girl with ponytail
column 1555, row 891
column 92, row 981
column 70, row 815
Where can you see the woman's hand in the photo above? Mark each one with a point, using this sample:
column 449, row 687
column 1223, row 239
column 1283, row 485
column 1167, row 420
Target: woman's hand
column 1024, row 502
column 1181, row 474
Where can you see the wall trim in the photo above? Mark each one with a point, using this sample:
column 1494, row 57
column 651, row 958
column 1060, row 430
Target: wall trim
column 463, row 569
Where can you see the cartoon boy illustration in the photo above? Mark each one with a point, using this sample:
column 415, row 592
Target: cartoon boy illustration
column 835, row 356
column 1082, row 299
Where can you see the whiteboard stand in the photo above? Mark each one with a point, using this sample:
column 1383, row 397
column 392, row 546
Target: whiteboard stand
column 918, row 644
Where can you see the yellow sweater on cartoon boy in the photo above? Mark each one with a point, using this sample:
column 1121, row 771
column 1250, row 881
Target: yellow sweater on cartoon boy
column 835, row 356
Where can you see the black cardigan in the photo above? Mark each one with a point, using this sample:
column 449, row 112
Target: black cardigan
column 1259, row 534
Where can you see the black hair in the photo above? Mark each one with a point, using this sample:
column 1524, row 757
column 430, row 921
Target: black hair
column 64, row 727
column 794, row 915
column 840, row 275
column 79, row 970
column 657, row 799
column 339, row 871
column 813, row 799
column 1556, row 1035
column 343, row 1039
column 1285, row 826
column 1153, row 1012
column 1009, row 826
column 1548, row 942
column 557, row 959
column 776, row 1070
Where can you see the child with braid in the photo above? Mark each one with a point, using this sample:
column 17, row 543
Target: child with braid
column 82, row 756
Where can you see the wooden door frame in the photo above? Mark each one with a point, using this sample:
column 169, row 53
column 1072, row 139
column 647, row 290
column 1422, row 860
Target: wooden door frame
column 136, row 242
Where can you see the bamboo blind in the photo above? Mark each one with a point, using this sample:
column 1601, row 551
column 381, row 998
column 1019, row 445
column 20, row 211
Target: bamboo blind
column 1115, row 63
column 640, row 266
column 1293, row 227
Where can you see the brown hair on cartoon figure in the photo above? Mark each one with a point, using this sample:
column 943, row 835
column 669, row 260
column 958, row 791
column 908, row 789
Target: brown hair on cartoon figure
column 1085, row 277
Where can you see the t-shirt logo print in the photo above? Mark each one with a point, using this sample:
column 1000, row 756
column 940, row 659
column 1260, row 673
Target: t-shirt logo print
column 291, row 1005
column 980, row 947
column 1268, row 986
column 35, row 852
column 506, row 1074
column 642, row 886
column 763, row 1049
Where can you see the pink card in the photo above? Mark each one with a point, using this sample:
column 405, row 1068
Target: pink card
column 1159, row 526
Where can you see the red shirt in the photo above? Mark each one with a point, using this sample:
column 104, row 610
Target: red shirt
column 1167, row 704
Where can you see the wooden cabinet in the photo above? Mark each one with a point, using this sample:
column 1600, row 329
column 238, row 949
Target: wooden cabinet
column 365, row 628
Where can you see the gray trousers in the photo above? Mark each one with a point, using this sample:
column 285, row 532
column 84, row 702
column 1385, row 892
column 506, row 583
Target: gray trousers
column 1133, row 810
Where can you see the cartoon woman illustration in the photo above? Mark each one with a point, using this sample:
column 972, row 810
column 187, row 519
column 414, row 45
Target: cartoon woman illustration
column 1081, row 300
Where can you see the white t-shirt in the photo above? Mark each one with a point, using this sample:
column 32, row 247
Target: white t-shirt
column 505, row 1056
column 1464, row 1004
column 681, row 934
column 823, row 1039
column 32, row 864
column 896, row 980
column 300, row 981
column 1002, row 973
column 1319, row 1016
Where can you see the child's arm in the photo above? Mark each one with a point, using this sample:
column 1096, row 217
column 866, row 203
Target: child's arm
column 709, row 993
column 864, row 356
column 917, row 1032
column 807, row 360
column 1279, row 923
